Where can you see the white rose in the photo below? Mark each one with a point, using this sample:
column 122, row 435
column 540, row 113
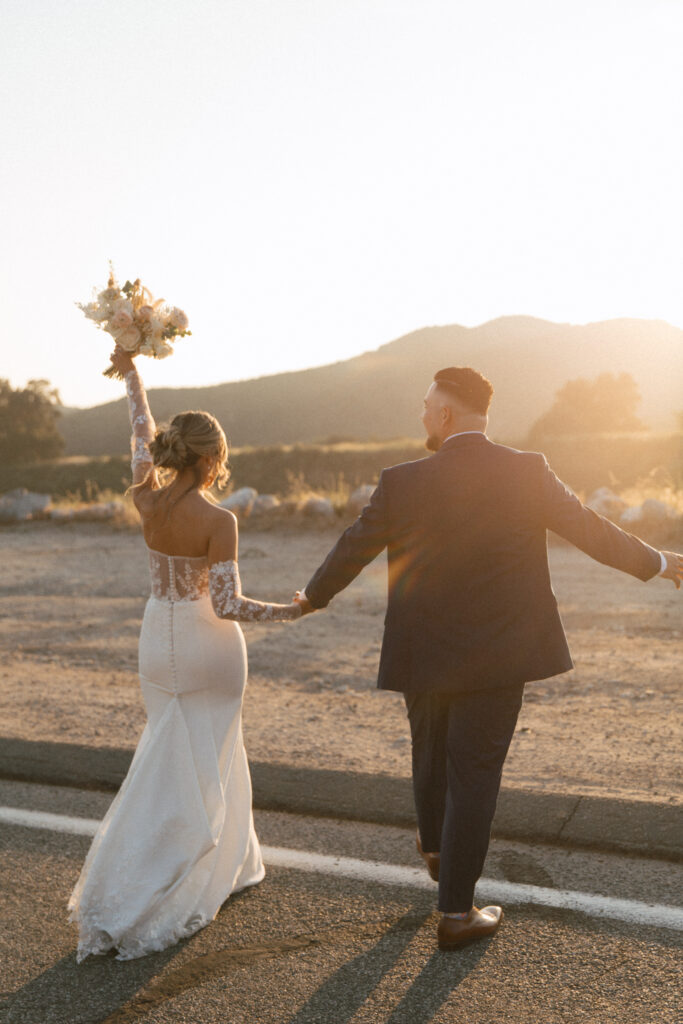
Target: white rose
column 94, row 311
column 128, row 338
column 161, row 348
column 145, row 313
column 178, row 319
column 122, row 318
column 123, row 306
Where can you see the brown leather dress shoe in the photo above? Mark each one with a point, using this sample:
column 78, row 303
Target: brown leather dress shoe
column 432, row 860
column 455, row 932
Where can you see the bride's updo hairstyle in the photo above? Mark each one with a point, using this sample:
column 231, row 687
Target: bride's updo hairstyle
column 189, row 436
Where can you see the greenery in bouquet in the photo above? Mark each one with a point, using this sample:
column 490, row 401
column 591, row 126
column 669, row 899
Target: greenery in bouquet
column 136, row 321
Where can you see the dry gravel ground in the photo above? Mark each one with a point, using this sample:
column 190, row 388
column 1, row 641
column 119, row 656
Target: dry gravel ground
column 72, row 598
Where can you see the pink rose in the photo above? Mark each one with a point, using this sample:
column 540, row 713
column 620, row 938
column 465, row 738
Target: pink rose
column 129, row 338
column 145, row 314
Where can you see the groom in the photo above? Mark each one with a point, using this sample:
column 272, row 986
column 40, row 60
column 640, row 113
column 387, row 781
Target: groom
column 471, row 617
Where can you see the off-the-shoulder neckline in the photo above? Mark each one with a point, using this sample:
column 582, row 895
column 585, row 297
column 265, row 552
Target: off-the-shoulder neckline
column 191, row 558
column 165, row 554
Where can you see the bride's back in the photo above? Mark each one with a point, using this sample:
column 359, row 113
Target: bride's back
column 174, row 523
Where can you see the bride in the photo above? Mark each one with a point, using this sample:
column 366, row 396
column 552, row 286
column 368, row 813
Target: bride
column 179, row 837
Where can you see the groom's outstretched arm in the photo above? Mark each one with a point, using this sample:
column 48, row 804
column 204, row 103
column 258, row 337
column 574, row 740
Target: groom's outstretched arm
column 564, row 514
column 357, row 546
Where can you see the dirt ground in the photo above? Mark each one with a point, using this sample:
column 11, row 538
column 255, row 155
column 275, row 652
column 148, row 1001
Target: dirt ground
column 72, row 598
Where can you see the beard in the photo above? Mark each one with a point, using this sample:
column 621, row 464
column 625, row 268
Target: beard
column 432, row 444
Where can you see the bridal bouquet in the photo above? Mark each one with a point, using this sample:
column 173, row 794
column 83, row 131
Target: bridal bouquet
column 136, row 322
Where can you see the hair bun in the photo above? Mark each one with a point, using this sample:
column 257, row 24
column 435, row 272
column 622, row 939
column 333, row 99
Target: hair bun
column 189, row 437
column 168, row 449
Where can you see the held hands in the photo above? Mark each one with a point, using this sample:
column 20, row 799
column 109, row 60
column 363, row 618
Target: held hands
column 674, row 568
column 121, row 361
column 304, row 603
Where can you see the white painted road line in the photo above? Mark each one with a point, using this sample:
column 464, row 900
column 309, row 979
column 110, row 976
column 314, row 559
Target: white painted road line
column 53, row 822
column 630, row 911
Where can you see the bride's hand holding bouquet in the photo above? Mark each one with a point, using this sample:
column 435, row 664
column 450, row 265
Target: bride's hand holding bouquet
column 121, row 362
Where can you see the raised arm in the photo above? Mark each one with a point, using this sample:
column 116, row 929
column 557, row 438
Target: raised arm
column 225, row 585
column 141, row 419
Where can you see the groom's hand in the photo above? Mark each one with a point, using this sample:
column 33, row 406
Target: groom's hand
column 304, row 603
column 674, row 568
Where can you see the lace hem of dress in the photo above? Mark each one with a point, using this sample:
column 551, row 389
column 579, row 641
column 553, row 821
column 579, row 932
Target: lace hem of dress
column 94, row 940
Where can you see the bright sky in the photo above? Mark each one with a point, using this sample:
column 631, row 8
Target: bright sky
column 310, row 179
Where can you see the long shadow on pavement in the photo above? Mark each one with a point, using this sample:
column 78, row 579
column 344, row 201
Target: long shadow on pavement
column 346, row 991
column 87, row 993
column 440, row 976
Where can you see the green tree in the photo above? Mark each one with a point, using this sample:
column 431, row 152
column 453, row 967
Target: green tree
column 28, row 422
column 605, row 405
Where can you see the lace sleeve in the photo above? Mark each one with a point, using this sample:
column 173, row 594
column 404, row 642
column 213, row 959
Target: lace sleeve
column 228, row 603
column 142, row 422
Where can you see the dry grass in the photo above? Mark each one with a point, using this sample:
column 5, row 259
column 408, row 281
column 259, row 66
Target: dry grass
column 299, row 491
column 125, row 516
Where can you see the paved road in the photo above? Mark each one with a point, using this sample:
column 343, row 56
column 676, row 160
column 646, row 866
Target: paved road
column 307, row 947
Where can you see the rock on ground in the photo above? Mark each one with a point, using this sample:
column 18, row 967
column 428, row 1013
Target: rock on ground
column 20, row 505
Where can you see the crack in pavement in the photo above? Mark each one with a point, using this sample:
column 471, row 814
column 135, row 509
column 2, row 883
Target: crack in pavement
column 569, row 817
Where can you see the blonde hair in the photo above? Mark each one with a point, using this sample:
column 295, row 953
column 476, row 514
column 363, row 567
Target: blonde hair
column 189, row 436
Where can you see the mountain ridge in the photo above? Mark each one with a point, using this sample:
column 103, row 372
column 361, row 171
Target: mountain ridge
column 526, row 358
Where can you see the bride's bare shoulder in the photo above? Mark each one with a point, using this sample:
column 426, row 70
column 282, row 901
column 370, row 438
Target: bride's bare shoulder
column 223, row 535
column 223, row 516
column 221, row 521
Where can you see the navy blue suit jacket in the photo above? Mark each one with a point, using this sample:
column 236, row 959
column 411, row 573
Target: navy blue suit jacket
column 470, row 605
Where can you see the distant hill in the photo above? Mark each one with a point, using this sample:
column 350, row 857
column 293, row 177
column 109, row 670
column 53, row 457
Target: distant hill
column 378, row 395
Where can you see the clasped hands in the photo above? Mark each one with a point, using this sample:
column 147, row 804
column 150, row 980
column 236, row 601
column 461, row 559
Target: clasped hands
column 304, row 603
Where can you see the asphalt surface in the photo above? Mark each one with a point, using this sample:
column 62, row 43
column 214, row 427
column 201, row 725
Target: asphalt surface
column 650, row 828
column 304, row 947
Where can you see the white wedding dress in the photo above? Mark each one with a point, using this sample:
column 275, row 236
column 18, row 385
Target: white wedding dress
column 179, row 837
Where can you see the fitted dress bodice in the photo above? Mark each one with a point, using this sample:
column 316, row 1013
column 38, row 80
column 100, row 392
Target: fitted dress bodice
column 178, row 578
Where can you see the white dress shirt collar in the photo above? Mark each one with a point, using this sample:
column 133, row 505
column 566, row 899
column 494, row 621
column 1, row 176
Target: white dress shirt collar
column 461, row 432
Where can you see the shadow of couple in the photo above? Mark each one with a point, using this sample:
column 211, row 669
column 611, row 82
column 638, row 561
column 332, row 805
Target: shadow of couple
column 103, row 991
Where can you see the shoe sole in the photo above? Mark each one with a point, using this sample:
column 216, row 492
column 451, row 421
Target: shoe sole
column 447, row 947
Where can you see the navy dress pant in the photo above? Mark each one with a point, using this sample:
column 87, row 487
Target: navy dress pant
column 460, row 741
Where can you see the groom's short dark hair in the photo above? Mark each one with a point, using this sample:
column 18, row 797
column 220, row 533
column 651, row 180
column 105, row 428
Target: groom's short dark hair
column 469, row 386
